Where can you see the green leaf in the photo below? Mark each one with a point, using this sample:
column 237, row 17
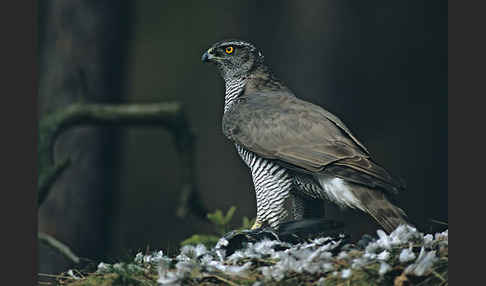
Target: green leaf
column 208, row 240
column 247, row 223
column 229, row 215
column 216, row 217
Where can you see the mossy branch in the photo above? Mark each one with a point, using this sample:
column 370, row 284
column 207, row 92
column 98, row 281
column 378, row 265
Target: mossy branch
column 59, row 247
column 169, row 115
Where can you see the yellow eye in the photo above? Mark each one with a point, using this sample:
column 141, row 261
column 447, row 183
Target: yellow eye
column 229, row 50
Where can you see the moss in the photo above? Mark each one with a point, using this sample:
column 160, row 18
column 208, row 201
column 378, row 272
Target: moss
column 114, row 279
column 221, row 225
column 366, row 276
column 208, row 240
column 144, row 272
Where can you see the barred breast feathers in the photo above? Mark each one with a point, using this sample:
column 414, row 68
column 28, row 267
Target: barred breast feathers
column 233, row 88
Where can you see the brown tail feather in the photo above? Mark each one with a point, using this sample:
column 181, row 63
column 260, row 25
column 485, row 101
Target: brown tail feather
column 375, row 203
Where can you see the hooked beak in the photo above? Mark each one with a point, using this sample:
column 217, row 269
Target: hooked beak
column 207, row 56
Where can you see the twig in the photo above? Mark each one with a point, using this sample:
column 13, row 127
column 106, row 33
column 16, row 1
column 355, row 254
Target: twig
column 438, row 221
column 52, row 275
column 438, row 276
column 222, row 279
column 79, row 273
column 60, row 247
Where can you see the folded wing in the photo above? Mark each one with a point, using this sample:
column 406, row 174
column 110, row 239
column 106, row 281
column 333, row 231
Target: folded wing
column 303, row 137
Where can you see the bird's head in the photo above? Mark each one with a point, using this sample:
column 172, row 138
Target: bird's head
column 234, row 58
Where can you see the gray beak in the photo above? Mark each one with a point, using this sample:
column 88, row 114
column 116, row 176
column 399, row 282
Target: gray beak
column 207, row 56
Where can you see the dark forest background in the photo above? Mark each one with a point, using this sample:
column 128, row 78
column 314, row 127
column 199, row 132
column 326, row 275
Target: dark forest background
column 380, row 66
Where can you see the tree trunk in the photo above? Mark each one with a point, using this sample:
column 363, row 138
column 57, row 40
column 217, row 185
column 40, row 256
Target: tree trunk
column 81, row 49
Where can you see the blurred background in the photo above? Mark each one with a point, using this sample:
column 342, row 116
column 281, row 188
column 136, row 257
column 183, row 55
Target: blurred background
column 380, row 66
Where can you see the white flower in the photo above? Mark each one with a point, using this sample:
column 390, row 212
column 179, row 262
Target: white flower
column 71, row 273
column 346, row 273
column 403, row 234
column 266, row 272
column 103, row 267
column 200, row 250
column 236, row 256
column 442, row 236
column 184, row 267
column 326, row 267
column 406, row 255
column 167, row 277
column 384, row 268
column 423, row 263
column 359, row 262
column 342, row 255
column 383, row 239
column 118, row 266
column 221, row 253
column 138, row 258
column 321, row 281
column 151, row 258
column 314, row 257
column 384, row 255
column 222, row 242
column 236, row 269
column 369, row 255
column 428, row 239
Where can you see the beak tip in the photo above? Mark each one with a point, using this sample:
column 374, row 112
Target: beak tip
column 205, row 57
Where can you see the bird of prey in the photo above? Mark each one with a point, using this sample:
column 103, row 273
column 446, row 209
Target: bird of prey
column 296, row 151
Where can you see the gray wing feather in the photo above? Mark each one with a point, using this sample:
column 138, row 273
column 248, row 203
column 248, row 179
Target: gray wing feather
column 302, row 136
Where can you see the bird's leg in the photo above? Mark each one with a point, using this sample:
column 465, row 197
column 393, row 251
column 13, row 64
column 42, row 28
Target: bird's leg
column 256, row 225
column 272, row 196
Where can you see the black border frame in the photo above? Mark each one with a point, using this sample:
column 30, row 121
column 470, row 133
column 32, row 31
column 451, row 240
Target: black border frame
column 19, row 144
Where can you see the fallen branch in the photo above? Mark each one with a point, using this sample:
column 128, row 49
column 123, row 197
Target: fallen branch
column 169, row 115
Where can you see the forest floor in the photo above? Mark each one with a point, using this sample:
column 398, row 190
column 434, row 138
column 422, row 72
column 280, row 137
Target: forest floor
column 404, row 257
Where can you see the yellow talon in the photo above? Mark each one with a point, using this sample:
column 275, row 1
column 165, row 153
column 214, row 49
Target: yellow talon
column 256, row 225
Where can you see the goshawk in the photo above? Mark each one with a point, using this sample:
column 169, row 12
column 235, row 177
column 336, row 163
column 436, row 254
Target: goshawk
column 296, row 151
